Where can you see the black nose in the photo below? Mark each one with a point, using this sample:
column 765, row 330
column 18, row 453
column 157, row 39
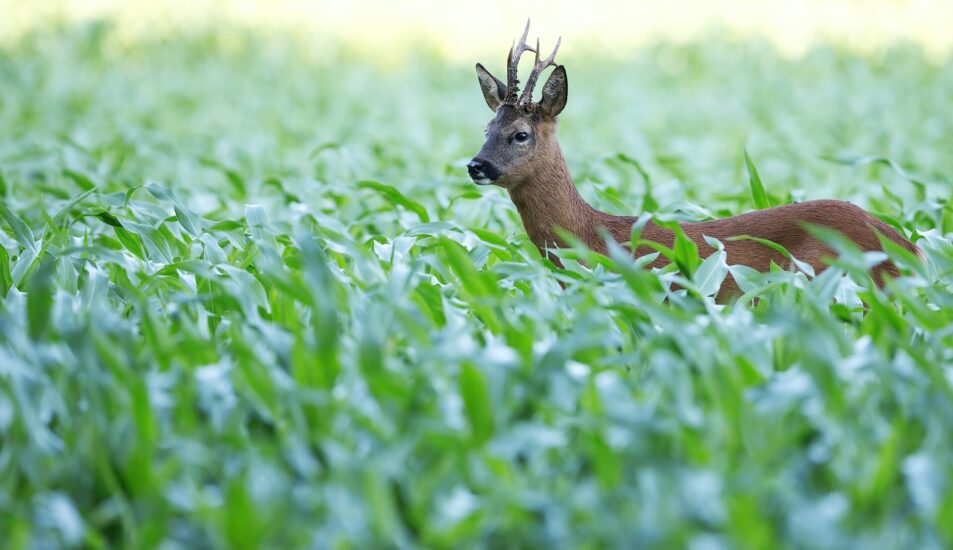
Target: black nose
column 476, row 167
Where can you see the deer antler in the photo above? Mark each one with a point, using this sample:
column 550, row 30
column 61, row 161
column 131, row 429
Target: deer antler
column 538, row 67
column 512, row 65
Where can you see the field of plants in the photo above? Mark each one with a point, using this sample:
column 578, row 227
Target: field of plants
column 250, row 299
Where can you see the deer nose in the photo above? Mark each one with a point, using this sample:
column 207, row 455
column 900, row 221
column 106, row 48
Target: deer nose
column 482, row 172
column 476, row 167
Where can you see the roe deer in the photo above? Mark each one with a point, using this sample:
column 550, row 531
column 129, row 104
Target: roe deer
column 521, row 154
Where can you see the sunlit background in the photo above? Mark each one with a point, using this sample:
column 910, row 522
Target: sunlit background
column 461, row 29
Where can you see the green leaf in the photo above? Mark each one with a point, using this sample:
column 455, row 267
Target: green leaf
column 131, row 241
column 152, row 240
column 188, row 219
column 325, row 318
column 144, row 421
column 227, row 225
column 801, row 265
column 462, row 266
column 887, row 467
column 107, row 218
column 21, row 231
column 684, row 252
column 711, row 274
column 476, row 402
column 80, row 179
column 757, row 189
column 6, row 279
column 396, row 197
column 40, row 298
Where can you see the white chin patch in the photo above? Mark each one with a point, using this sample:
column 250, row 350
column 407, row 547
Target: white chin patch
column 482, row 181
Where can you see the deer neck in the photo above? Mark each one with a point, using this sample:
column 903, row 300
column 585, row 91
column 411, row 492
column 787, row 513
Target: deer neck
column 548, row 200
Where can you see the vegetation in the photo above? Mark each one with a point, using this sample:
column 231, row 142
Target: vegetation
column 251, row 299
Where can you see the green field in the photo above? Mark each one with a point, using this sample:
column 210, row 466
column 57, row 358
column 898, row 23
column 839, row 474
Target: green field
column 251, row 299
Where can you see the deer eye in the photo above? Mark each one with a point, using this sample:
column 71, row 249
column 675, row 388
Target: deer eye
column 521, row 137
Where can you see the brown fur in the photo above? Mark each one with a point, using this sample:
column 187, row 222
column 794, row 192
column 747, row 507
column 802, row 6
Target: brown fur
column 546, row 198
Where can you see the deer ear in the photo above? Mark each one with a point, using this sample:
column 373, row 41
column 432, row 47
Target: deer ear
column 493, row 90
column 555, row 93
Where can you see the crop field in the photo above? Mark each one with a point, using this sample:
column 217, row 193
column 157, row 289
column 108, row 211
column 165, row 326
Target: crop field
column 250, row 299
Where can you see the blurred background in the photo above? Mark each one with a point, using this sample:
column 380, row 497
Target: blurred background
column 321, row 92
column 462, row 29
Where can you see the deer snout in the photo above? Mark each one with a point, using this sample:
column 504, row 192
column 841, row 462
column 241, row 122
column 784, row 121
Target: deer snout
column 482, row 172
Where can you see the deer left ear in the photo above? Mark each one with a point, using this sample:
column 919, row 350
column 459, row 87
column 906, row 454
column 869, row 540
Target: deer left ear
column 494, row 91
column 555, row 93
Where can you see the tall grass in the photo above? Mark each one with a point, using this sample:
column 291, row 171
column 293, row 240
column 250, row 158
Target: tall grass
column 251, row 300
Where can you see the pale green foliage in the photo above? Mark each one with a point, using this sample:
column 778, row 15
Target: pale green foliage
column 251, row 300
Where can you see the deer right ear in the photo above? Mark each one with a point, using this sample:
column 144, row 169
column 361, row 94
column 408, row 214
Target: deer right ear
column 493, row 90
column 555, row 93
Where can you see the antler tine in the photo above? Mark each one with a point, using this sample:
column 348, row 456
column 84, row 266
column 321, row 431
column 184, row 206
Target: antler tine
column 538, row 68
column 512, row 64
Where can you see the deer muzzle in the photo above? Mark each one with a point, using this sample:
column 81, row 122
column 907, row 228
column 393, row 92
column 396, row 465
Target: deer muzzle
column 482, row 172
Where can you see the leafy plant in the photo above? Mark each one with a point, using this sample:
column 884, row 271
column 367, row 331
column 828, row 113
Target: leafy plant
column 250, row 299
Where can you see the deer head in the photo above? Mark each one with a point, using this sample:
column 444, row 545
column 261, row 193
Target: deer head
column 521, row 138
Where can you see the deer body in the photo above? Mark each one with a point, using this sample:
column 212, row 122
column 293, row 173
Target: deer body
column 522, row 154
column 559, row 205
